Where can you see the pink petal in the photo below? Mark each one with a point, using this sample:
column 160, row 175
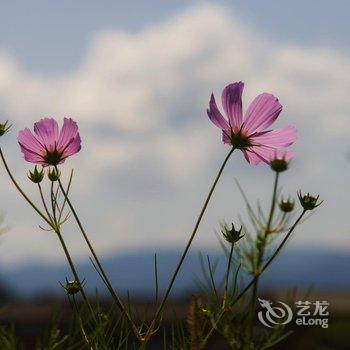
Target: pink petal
column 215, row 115
column 267, row 153
column 29, row 143
column 261, row 113
column 73, row 147
column 33, row 158
column 68, row 132
column 232, row 104
column 47, row 131
column 226, row 138
column 251, row 157
column 258, row 154
column 277, row 138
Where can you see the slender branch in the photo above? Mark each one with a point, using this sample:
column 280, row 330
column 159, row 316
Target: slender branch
column 253, row 217
column 81, row 326
column 273, row 204
column 229, row 263
column 74, row 271
column 98, row 263
column 54, row 204
column 212, row 279
column 249, row 285
column 67, row 191
column 42, row 215
column 156, row 277
column 263, row 243
column 44, row 202
column 50, row 223
column 187, row 247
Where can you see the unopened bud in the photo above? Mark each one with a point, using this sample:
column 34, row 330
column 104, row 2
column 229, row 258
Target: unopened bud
column 71, row 287
column 308, row 201
column 36, row 176
column 287, row 205
column 54, row 174
column 231, row 235
column 278, row 165
column 4, row 128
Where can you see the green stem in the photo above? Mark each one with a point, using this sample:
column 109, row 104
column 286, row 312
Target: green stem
column 273, row 204
column 227, row 275
column 240, row 295
column 105, row 277
column 64, row 200
column 21, row 191
column 263, row 245
column 187, row 247
column 53, row 203
column 156, row 277
column 74, row 271
column 44, row 202
column 81, row 326
column 50, row 223
column 56, row 227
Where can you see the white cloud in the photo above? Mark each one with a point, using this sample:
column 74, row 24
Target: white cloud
column 150, row 90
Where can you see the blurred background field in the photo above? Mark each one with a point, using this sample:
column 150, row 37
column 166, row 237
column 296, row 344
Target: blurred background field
column 33, row 318
column 32, row 296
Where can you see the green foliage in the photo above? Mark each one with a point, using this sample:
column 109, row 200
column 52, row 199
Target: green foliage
column 8, row 339
column 54, row 340
column 230, row 310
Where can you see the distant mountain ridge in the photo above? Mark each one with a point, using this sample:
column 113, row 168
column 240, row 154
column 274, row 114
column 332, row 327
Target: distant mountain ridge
column 134, row 271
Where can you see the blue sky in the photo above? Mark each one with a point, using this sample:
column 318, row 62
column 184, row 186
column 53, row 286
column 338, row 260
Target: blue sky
column 53, row 37
column 137, row 78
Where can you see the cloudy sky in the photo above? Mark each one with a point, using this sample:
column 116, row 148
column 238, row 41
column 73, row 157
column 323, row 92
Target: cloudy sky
column 137, row 78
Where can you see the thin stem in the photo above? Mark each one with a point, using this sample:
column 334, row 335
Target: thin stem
column 254, row 219
column 156, row 277
column 187, row 247
column 263, row 244
column 44, row 202
column 54, row 202
column 212, row 278
column 281, row 224
column 74, row 271
column 42, row 215
column 65, row 200
column 273, row 203
column 50, row 223
column 267, row 264
column 81, row 326
column 98, row 263
column 273, row 256
column 229, row 263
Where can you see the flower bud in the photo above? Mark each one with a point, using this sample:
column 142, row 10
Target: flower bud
column 308, row 202
column 4, row 128
column 54, row 174
column 279, row 161
column 231, row 235
column 278, row 165
column 71, row 287
column 287, row 205
column 36, row 176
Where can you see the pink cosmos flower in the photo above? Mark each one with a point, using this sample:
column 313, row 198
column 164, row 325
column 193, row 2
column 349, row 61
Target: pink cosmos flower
column 49, row 146
column 250, row 135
